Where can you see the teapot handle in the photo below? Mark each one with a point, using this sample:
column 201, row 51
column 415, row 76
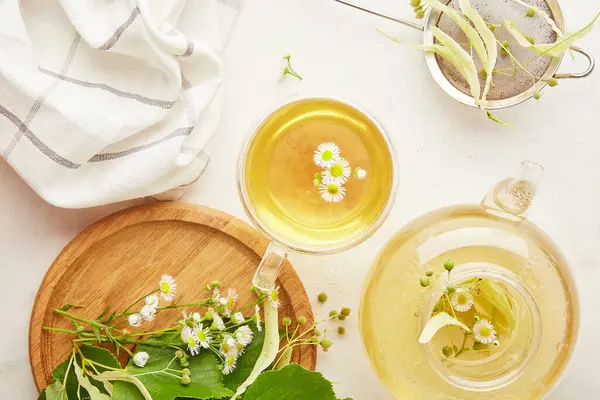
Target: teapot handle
column 512, row 197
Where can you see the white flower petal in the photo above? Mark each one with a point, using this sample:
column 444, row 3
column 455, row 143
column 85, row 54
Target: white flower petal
column 484, row 332
column 141, row 358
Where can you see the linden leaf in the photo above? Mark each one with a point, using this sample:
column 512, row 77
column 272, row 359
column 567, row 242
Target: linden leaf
column 498, row 299
column 84, row 381
column 438, row 322
column 290, row 383
column 556, row 49
column 269, row 349
column 163, row 384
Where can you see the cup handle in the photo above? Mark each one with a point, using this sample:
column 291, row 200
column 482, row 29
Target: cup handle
column 268, row 269
column 590, row 68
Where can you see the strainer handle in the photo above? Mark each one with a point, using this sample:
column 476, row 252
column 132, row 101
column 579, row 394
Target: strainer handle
column 583, row 74
column 386, row 16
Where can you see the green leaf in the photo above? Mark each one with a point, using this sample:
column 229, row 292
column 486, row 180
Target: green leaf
column 123, row 376
column 556, row 49
column 55, row 391
column 70, row 385
column 497, row 299
column 438, row 322
column 67, row 307
column 166, row 385
column 246, row 362
column 290, row 383
column 84, row 381
column 101, row 356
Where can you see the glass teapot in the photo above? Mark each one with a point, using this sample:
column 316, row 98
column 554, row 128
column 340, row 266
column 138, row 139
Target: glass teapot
column 511, row 309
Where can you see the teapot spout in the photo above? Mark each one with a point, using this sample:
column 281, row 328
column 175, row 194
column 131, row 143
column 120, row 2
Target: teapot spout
column 512, row 197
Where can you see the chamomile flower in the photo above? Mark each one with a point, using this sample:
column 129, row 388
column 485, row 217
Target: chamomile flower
column 238, row 318
column 360, row 173
column 239, row 348
column 148, row 313
column 189, row 336
column 243, row 335
column 141, row 358
column 274, row 297
column 257, row 317
column 338, row 173
column 228, row 346
column 151, row 300
column 203, row 336
column 326, row 154
column 229, row 364
column 229, row 302
column 484, row 332
column 462, row 301
column 135, row 320
column 332, row 192
column 217, row 320
column 167, row 287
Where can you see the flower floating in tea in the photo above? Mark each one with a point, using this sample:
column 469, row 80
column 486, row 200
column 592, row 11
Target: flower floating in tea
column 481, row 308
column 336, row 172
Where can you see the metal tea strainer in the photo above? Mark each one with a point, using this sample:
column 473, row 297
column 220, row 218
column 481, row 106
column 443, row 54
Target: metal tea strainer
column 507, row 90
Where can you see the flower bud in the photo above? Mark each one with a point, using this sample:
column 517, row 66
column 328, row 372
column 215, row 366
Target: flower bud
column 429, row 273
column 215, row 284
column 537, row 95
column 333, row 313
column 185, row 371
column 301, row 320
column 451, row 289
column 341, row 317
column 530, row 13
column 322, row 297
column 345, row 311
column 179, row 354
column 449, row 265
column 341, row 330
column 424, row 282
column 286, row 322
column 552, row 82
column 186, row 380
column 326, row 344
column 447, row 351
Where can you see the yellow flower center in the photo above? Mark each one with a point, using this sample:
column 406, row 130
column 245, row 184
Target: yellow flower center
column 333, row 189
column 165, row 287
column 202, row 336
column 327, row 155
column 484, row 331
column 336, row 171
column 462, row 300
column 191, row 342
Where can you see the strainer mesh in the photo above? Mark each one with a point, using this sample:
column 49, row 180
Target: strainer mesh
column 497, row 11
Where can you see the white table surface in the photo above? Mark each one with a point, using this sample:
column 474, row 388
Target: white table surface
column 448, row 154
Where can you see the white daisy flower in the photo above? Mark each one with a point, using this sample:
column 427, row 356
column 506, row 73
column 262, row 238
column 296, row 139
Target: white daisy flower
column 257, row 317
column 238, row 318
column 135, row 320
column 229, row 364
column 167, row 287
column 148, row 313
column 462, row 301
column 229, row 302
column 332, row 192
column 189, row 337
column 203, row 336
column 326, row 154
column 484, row 332
column 141, row 358
column 360, row 173
column 196, row 317
column 151, row 301
column 243, row 335
column 217, row 319
column 338, row 173
column 274, row 297
column 228, row 346
column 239, row 349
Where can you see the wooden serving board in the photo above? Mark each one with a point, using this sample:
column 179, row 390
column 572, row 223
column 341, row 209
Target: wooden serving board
column 120, row 258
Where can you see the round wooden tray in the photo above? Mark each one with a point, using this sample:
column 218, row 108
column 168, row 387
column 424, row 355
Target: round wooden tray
column 120, row 258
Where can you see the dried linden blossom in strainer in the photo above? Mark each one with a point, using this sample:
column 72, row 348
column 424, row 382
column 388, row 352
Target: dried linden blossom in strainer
column 336, row 171
column 482, row 39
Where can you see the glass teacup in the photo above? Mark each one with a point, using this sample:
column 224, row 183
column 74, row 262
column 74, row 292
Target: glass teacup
column 317, row 176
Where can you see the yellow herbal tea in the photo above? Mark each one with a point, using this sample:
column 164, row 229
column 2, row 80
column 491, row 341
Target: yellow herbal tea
column 280, row 173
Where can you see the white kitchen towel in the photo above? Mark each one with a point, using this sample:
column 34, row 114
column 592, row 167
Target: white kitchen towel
column 109, row 100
